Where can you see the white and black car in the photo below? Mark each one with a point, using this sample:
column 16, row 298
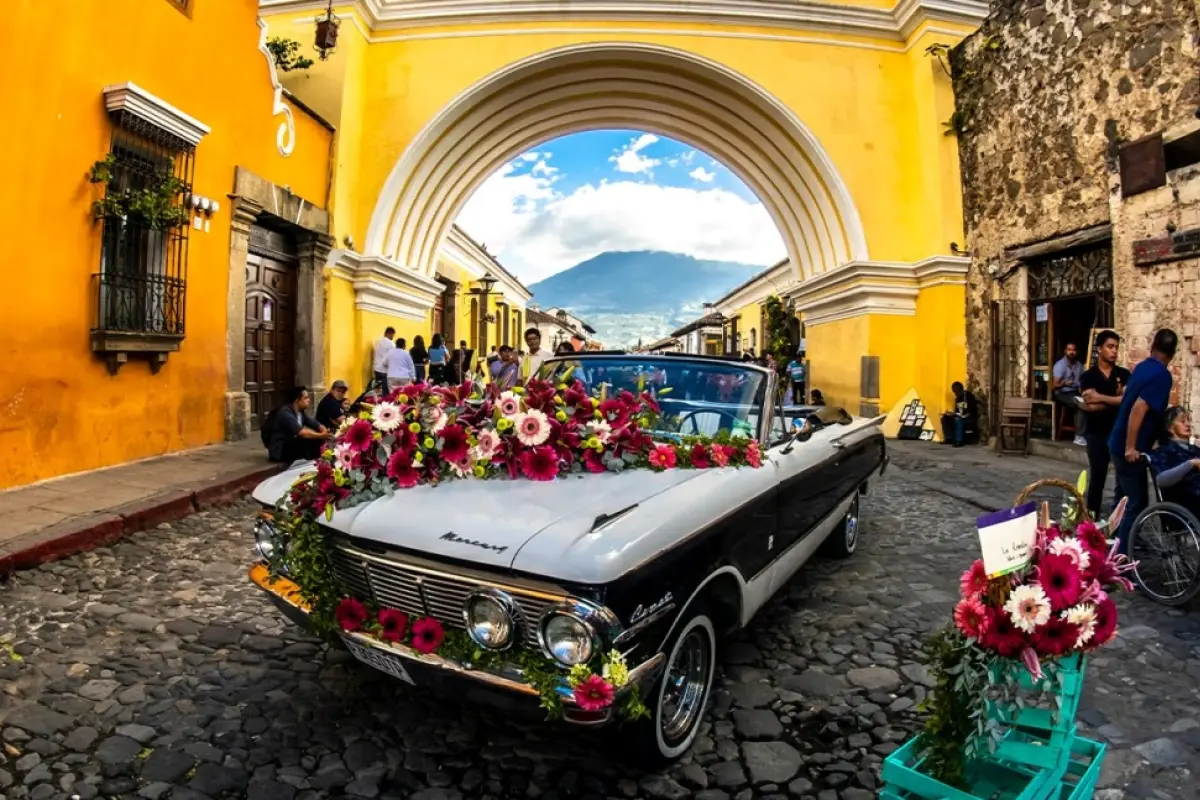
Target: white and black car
column 655, row 564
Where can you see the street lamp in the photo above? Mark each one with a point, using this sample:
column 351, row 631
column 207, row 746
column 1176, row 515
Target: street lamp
column 327, row 32
column 485, row 287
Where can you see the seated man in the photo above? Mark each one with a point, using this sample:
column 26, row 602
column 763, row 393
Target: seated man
column 963, row 420
column 332, row 408
column 293, row 434
column 1066, row 376
column 1176, row 462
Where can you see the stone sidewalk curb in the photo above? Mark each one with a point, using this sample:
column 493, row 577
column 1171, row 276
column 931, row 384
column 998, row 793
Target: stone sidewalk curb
column 96, row 529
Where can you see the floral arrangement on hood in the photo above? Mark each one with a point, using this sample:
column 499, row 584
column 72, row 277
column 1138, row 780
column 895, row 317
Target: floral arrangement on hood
column 1043, row 615
column 424, row 434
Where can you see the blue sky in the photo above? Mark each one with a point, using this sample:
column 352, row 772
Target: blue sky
column 577, row 196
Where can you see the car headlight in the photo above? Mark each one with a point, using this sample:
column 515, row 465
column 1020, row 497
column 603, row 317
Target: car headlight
column 267, row 541
column 491, row 619
column 566, row 638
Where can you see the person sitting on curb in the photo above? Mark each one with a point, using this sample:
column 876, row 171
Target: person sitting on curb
column 292, row 435
column 332, row 408
column 963, row 419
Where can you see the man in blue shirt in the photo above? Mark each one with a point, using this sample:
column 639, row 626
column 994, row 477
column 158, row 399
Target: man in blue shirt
column 1139, row 422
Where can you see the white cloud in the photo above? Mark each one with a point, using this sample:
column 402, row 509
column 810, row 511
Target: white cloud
column 702, row 175
column 537, row 231
column 629, row 159
column 532, row 155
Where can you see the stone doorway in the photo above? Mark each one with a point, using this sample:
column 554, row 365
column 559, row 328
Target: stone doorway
column 271, row 269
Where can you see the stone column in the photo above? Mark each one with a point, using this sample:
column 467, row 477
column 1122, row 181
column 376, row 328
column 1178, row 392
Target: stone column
column 243, row 213
column 310, row 311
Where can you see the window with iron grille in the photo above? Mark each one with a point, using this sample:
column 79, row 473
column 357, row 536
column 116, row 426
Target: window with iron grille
column 142, row 282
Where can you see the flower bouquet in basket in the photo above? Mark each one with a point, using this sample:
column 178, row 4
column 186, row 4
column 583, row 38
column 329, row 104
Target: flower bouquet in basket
column 1009, row 668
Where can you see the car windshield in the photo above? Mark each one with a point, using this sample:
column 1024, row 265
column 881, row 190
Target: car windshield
column 698, row 398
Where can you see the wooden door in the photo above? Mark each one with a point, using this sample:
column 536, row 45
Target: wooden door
column 270, row 324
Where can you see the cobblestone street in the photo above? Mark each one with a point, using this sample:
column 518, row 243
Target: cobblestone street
column 153, row 669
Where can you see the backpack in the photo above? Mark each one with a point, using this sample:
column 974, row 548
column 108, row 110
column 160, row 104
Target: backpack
column 268, row 425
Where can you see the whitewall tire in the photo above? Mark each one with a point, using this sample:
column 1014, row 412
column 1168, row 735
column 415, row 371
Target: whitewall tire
column 843, row 540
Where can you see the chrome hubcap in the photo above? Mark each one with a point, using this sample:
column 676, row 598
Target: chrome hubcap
column 852, row 525
column 685, row 684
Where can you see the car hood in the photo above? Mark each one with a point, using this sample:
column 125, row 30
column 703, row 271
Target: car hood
column 488, row 522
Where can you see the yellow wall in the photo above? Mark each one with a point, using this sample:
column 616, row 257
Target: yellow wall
column 60, row 410
column 872, row 106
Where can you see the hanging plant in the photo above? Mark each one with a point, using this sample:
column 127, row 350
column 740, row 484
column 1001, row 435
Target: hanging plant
column 286, row 54
column 775, row 337
column 155, row 206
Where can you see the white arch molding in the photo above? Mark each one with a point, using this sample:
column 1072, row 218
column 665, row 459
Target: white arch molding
column 657, row 89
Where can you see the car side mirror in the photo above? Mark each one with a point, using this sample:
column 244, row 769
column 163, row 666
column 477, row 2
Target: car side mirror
column 802, row 434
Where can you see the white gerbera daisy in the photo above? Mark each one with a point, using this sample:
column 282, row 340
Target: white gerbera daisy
column 387, row 416
column 1028, row 607
column 509, row 404
column 1083, row 617
column 1072, row 549
column 486, row 444
column 343, row 457
column 600, row 429
column 532, row 428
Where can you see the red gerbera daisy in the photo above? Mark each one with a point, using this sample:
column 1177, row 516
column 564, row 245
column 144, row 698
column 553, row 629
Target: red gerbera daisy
column 594, row 693
column 400, row 469
column 974, row 581
column 350, row 614
column 1106, row 622
column 360, row 435
column 1056, row 637
column 1001, row 635
column 540, row 463
column 971, row 617
column 427, row 635
column 394, row 623
column 593, row 462
column 699, row 457
column 1060, row 580
column 455, row 446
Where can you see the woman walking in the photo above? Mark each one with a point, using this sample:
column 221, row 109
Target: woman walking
column 438, row 356
column 420, row 357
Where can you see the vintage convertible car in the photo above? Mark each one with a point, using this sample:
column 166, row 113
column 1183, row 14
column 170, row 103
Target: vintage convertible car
column 654, row 564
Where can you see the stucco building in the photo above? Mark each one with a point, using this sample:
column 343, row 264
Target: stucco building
column 1079, row 147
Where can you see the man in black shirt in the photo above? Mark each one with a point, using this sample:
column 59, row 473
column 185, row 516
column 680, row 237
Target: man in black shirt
column 332, row 408
column 963, row 419
column 1101, row 390
column 294, row 435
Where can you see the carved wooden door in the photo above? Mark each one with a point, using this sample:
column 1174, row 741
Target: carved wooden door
column 270, row 323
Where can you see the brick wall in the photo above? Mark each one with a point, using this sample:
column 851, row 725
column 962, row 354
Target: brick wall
column 1046, row 91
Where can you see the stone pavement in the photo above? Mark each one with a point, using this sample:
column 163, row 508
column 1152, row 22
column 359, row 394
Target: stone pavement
column 69, row 514
column 152, row 669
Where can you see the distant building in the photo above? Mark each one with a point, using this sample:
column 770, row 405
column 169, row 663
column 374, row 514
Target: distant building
column 668, row 344
column 701, row 336
column 558, row 325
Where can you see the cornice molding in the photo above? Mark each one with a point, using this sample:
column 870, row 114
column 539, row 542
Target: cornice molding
column 475, row 261
column 779, row 279
column 874, row 287
column 383, row 286
column 133, row 99
column 898, row 23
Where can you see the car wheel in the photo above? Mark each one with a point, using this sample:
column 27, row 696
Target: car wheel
column 843, row 540
column 679, row 697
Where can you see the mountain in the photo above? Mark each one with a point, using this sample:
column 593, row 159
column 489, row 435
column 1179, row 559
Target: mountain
column 643, row 295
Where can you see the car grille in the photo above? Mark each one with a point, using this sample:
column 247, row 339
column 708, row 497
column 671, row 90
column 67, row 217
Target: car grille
column 417, row 592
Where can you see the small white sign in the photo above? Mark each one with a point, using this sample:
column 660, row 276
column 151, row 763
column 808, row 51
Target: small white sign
column 266, row 311
column 1006, row 538
column 1041, row 313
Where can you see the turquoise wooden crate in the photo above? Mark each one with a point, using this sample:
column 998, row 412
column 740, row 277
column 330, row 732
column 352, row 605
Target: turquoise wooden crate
column 996, row 781
column 1046, row 732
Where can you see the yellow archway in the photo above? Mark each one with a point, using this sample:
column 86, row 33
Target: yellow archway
column 659, row 89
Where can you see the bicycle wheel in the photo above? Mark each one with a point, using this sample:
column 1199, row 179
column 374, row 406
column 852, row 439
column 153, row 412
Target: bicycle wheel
column 1165, row 543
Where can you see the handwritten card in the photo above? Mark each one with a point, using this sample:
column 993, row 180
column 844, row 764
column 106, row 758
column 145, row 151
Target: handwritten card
column 1006, row 538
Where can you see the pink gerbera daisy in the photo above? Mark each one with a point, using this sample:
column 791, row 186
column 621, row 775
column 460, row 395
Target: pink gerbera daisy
column 1001, row 635
column 1106, row 622
column 720, row 454
column 400, row 469
column 532, row 428
column 540, row 463
column 753, row 455
column 454, row 445
column 1060, row 579
column 971, row 617
column 699, row 457
column 974, row 581
column 1056, row 637
column 594, row 693
column 662, row 457
column 350, row 614
column 593, row 462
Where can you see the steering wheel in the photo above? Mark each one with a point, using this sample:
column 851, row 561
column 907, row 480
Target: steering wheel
column 695, row 431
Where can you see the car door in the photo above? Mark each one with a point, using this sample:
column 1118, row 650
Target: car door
column 807, row 486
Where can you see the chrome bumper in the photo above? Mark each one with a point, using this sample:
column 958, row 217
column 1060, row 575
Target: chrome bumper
column 286, row 595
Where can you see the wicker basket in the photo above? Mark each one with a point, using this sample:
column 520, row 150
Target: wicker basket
column 1056, row 483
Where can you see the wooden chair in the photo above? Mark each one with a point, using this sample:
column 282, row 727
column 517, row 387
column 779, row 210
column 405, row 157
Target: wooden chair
column 1016, row 416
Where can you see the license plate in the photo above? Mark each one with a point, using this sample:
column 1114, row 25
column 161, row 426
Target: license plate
column 384, row 662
